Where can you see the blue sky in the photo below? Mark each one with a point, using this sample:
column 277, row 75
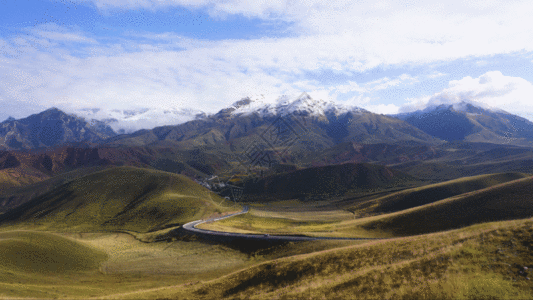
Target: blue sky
column 385, row 56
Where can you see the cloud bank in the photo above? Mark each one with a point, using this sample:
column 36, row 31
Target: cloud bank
column 492, row 89
column 55, row 66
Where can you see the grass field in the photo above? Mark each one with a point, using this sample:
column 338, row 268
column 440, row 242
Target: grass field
column 18, row 195
column 474, row 200
column 486, row 261
column 410, row 198
column 122, row 198
column 81, row 265
column 95, row 237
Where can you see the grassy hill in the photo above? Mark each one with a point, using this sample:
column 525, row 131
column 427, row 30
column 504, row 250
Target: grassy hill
column 39, row 252
column 432, row 208
column 487, row 261
column 507, row 201
column 442, row 170
column 15, row 196
column 312, row 182
column 124, row 198
column 431, row 193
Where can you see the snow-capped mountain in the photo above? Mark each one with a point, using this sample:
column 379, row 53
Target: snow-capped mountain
column 316, row 124
column 465, row 121
column 130, row 120
column 301, row 104
column 468, row 107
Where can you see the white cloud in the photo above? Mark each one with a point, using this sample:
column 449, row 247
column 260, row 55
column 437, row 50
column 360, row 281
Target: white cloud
column 493, row 89
column 385, row 109
column 168, row 70
column 436, row 75
column 389, row 32
column 376, row 85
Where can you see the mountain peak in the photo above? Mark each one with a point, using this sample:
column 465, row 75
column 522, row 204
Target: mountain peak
column 53, row 109
column 9, row 119
column 301, row 104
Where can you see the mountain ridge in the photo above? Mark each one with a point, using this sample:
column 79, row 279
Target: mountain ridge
column 464, row 121
column 50, row 128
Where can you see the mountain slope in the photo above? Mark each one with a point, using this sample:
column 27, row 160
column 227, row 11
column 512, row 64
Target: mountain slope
column 311, row 124
column 45, row 253
column 466, row 122
column 327, row 180
column 123, row 198
column 50, row 128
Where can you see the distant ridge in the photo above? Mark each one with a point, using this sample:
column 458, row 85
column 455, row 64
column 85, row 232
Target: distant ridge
column 49, row 128
column 465, row 121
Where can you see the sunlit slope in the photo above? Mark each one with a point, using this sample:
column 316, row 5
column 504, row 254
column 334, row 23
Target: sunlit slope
column 15, row 196
column 470, row 204
column 125, row 198
column 507, row 201
column 431, row 193
column 39, row 252
column 479, row 262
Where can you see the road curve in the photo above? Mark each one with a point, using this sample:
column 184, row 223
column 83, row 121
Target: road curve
column 191, row 227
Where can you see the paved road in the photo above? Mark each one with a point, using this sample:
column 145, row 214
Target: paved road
column 191, row 226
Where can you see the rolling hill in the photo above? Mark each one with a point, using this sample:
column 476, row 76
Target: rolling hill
column 489, row 261
column 15, row 196
column 431, row 193
column 122, row 198
column 506, row 201
column 45, row 253
column 310, row 183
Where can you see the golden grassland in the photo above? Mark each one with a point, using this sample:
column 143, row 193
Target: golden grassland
column 81, row 265
column 97, row 238
column 485, row 261
column 505, row 201
column 418, row 196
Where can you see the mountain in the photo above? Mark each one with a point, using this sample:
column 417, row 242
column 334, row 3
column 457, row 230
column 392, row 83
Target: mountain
column 130, row 120
column 298, row 123
column 9, row 119
column 373, row 153
column 465, row 121
column 50, row 128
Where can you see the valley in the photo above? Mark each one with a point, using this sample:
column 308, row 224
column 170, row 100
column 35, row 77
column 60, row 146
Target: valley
column 357, row 204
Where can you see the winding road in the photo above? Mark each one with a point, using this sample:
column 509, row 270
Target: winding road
column 191, row 227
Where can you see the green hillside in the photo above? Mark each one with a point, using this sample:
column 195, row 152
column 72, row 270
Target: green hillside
column 488, row 261
column 122, row 198
column 15, row 196
column 39, row 252
column 431, row 193
column 507, row 201
column 310, row 183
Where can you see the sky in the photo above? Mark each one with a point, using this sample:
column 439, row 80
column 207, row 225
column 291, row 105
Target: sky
column 384, row 56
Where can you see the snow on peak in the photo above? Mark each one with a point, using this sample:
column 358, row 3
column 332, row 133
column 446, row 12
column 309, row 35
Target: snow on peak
column 302, row 104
